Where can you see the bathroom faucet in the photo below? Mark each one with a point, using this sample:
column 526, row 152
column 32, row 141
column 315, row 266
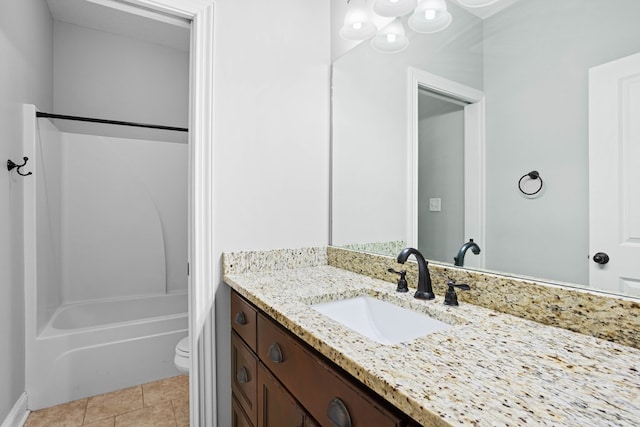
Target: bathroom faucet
column 425, row 291
column 459, row 260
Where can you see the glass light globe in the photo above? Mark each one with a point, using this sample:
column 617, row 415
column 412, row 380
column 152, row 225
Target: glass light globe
column 358, row 24
column 391, row 38
column 430, row 16
column 393, row 8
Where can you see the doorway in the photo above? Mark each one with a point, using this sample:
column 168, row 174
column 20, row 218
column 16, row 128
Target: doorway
column 440, row 175
column 448, row 96
column 202, row 271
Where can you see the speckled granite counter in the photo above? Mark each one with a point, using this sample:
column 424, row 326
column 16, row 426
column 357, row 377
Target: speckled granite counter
column 490, row 369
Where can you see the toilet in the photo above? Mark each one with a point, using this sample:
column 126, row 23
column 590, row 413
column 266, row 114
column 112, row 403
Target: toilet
column 181, row 359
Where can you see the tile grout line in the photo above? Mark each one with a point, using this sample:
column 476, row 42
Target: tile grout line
column 144, row 405
column 173, row 408
column 84, row 413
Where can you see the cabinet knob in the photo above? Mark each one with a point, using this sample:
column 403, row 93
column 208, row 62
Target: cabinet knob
column 275, row 353
column 242, row 376
column 338, row 413
column 240, row 318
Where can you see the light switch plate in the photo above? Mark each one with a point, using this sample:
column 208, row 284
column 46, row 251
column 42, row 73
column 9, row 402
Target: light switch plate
column 435, row 204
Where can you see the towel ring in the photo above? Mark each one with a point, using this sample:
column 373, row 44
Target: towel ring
column 532, row 175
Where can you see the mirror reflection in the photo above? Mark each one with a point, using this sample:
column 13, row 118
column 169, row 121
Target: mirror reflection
column 414, row 165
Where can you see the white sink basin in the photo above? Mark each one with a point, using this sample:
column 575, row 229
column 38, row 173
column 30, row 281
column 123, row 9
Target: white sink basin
column 379, row 320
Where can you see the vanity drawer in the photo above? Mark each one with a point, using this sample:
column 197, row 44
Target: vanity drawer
column 244, row 375
column 320, row 388
column 243, row 319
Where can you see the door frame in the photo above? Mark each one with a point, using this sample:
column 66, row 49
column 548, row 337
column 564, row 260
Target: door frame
column 203, row 271
column 474, row 155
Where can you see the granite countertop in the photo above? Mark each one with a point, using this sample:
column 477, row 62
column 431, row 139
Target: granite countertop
column 489, row 369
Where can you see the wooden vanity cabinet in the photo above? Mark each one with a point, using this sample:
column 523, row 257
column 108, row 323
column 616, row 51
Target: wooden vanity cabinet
column 238, row 417
column 277, row 408
column 294, row 385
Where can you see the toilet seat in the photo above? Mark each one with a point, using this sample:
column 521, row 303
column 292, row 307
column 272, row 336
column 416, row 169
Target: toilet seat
column 181, row 359
column 182, row 347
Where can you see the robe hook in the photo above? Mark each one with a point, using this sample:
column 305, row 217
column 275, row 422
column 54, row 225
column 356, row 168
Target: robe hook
column 11, row 165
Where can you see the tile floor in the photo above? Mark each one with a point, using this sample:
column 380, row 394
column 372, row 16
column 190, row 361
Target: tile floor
column 157, row 404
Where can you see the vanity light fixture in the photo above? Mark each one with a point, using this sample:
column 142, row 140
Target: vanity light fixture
column 429, row 16
column 391, row 38
column 358, row 24
column 477, row 3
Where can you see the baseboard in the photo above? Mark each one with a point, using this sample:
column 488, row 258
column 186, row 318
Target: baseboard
column 18, row 414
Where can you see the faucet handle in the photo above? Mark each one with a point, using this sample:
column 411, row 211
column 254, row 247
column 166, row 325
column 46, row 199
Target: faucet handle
column 451, row 298
column 402, row 281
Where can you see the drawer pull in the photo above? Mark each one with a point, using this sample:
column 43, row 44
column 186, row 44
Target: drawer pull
column 275, row 353
column 338, row 414
column 242, row 376
column 240, row 318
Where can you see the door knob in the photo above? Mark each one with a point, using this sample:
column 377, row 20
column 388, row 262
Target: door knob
column 601, row 258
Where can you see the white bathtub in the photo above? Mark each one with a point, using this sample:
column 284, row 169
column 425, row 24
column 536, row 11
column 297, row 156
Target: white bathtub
column 100, row 346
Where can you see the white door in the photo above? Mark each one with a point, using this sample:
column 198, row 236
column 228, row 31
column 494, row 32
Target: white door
column 614, row 175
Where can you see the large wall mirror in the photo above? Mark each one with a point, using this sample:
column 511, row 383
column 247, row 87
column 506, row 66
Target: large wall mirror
column 559, row 89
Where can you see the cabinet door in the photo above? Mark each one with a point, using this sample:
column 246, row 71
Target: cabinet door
column 244, row 365
column 276, row 407
column 309, row 422
column 238, row 417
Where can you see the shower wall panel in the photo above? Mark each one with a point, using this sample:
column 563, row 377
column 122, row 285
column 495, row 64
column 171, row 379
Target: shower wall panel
column 124, row 217
column 47, row 163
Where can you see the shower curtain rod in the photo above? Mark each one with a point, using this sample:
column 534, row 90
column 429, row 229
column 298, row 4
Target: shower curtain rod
column 110, row 122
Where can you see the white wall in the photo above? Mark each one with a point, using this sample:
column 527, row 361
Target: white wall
column 25, row 77
column 369, row 110
column 107, row 76
column 271, row 141
column 537, row 89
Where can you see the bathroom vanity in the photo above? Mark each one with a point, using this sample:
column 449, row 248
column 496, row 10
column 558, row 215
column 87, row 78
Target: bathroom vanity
column 270, row 366
column 489, row 368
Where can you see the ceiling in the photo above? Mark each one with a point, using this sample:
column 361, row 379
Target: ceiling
column 123, row 19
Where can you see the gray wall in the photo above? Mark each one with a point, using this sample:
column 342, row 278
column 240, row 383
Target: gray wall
column 26, row 49
column 537, row 89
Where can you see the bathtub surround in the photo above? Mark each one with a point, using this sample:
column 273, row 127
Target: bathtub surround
column 464, row 376
column 125, row 217
column 105, row 278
